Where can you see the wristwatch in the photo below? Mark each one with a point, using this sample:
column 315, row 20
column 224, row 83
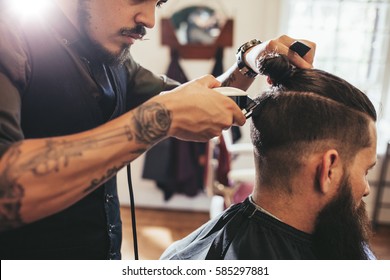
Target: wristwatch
column 245, row 69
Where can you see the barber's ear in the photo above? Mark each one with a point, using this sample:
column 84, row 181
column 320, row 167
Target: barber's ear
column 329, row 171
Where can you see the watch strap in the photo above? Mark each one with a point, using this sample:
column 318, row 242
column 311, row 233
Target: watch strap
column 242, row 66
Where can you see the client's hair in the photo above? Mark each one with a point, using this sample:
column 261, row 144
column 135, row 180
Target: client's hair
column 306, row 110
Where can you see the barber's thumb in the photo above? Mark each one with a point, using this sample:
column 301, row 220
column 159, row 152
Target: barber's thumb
column 239, row 119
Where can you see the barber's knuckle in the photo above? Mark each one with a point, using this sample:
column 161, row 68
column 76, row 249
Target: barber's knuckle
column 208, row 77
column 283, row 37
column 272, row 46
column 272, row 43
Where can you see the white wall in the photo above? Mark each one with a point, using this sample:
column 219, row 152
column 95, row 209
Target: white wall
column 252, row 19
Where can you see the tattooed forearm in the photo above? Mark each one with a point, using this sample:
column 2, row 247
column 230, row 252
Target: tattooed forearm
column 10, row 203
column 47, row 162
column 230, row 80
column 51, row 157
column 10, row 195
column 151, row 123
column 57, row 154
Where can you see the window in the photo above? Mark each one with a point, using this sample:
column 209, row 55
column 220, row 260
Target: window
column 353, row 42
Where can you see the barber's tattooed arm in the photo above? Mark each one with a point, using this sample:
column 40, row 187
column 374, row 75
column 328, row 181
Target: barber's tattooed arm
column 151, row 122
column 43, row 176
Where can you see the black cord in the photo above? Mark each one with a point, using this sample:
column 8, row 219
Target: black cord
column 132, row 207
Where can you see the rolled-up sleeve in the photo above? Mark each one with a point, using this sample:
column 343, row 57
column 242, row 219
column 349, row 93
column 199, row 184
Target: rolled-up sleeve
column 143, row 84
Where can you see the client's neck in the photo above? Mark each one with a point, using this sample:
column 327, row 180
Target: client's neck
column 295, row 210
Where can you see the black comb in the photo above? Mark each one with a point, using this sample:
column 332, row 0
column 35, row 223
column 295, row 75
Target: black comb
column 300, row 48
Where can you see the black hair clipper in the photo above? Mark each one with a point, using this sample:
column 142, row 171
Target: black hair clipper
column 241, row 98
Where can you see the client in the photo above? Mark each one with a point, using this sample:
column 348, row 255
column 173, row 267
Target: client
column 314, row 140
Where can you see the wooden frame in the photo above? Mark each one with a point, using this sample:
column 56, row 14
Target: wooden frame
column 196, row 51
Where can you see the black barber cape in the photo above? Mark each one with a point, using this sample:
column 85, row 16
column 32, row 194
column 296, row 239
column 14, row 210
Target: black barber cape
column 243, row 232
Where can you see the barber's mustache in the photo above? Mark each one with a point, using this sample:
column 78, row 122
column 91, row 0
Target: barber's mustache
column 137, row 32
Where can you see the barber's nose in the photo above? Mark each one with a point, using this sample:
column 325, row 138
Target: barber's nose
column 147, row 16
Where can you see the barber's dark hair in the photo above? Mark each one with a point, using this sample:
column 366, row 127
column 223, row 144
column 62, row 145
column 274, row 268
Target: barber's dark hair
column 306, row 110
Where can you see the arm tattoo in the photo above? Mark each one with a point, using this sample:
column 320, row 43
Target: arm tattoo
column 229, row 81
column 10, row 195
column 52, row 157
column 56, row 154
column 152, row 122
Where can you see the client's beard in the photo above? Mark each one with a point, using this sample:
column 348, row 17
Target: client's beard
column 342, row 231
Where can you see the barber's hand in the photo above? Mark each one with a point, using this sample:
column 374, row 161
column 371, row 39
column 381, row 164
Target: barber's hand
column 281, row 45
column 199, row 113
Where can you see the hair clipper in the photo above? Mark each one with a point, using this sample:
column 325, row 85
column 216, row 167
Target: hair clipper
column 241, row 98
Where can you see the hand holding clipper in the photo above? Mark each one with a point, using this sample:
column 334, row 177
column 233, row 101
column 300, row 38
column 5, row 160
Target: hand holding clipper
column 241, row 98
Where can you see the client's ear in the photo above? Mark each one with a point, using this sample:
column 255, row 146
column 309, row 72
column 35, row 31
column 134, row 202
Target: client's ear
column 329, row 171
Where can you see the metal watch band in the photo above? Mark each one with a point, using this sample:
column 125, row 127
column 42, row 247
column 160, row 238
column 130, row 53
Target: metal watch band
column 243, row 68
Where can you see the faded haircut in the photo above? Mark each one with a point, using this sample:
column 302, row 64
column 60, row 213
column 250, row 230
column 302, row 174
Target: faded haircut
column 306, row 111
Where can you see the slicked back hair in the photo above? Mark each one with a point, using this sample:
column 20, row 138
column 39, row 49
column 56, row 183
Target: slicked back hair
column 306, row 111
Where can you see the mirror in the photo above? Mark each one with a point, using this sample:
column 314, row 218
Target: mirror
column 197, row 25
column 197, row 31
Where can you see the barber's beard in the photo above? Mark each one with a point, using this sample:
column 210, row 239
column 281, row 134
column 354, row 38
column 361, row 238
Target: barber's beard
column 342, row 229
column 97, row 51
column 103, row 55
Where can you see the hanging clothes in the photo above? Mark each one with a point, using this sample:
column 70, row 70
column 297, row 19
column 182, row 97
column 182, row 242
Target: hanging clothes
column 175, row 71
column 178, row 166
column 175, row 165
